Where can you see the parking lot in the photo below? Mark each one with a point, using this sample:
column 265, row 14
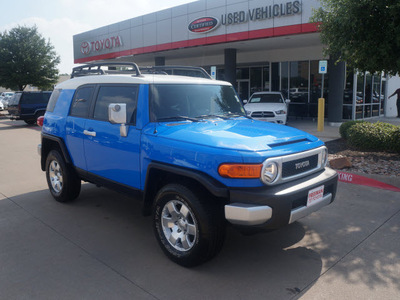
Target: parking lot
column 101, row 247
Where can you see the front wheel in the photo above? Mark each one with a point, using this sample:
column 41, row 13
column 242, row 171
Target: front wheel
column 63, row 183
column 189, row 229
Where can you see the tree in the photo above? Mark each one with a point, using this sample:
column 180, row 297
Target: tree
column 363, row 33
column 27, row 58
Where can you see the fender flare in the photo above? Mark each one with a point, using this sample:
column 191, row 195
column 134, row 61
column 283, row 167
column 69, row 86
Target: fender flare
column 60, row 142
column 213, row 186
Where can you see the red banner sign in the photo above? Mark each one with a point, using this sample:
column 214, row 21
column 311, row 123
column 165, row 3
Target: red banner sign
column 361, row 180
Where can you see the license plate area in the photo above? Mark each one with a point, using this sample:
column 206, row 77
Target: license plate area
column 315, row 195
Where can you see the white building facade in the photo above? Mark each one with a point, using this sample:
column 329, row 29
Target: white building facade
column 255, row 44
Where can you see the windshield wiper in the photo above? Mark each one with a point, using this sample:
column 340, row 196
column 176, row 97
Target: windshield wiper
column 213, row 116
column 235, row 115
column 178, row 118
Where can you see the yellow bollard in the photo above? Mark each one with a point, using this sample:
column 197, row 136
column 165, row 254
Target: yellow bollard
column 321, row 114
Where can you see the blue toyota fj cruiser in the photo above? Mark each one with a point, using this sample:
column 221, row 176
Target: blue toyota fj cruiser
column 186, row 145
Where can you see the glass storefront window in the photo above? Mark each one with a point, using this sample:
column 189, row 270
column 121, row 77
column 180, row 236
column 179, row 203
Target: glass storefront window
column 255, row 80
column 383, row 94
column 220, row 74
column 275, row 86
column 348, row 95
column 242, row 73
column 368, row 96
column 376, row 94
column 360, row 99
column 298, row 91
column 285, row 79
column 266, row 84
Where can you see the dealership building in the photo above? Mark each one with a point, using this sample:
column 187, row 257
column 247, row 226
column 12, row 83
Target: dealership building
column 257, row 45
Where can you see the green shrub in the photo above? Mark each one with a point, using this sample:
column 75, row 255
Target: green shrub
column 374, row 136
column 344, row 128
column 395, row 140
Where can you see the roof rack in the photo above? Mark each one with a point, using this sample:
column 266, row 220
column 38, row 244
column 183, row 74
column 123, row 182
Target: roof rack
column 176, row 70
column 104, row 68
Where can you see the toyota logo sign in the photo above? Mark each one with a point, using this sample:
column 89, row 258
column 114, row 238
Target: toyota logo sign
column 85, row 48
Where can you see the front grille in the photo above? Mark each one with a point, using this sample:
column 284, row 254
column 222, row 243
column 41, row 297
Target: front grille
column 298, row 166
column 262, row 114
column 294, row 166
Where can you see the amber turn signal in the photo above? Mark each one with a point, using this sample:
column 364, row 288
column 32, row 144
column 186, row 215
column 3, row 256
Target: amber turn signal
column 240, row 170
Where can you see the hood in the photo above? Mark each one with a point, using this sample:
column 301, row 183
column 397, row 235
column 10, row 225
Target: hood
column 265, row 106
column 240, row 134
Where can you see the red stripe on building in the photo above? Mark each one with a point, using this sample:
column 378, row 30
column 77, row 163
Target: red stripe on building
column 362, row 180
column 231, row 37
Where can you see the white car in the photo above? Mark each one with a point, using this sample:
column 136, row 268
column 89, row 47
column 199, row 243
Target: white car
column 267, row 106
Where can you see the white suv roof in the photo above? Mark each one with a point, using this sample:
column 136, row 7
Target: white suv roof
column 142, row 79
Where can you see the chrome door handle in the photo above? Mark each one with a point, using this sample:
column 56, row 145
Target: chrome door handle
column 91, row 133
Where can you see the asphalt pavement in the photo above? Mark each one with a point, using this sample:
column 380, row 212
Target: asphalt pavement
column 101, row 247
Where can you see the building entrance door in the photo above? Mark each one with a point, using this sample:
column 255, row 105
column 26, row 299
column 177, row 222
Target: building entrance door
column 243, row 89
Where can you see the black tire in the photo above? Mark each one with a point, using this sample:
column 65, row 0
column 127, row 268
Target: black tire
column 197, row 231
column 30, row 122
column 64, row 184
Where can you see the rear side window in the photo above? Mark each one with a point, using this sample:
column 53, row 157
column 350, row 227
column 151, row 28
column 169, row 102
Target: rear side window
column 53, row 100
column 81, row 103
column 116, row 94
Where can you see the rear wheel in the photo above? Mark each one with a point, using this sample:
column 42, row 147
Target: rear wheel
column 30, row 122
column 189, row 229
column 63, row 183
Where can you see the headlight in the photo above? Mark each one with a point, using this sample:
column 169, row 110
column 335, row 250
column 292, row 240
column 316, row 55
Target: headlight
column 269, row 172
column 280, row 112
column 324, row 157
column 248, row 112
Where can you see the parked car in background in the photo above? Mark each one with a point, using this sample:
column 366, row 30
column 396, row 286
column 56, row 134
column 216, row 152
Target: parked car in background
column 267, row 106
column 7, row 94
column 28, row 106
column 4, row 99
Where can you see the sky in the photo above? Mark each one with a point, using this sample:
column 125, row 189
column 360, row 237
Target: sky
column 59, row 20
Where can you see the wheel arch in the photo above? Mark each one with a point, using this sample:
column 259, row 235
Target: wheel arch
column 159, row 174
column 49, row 143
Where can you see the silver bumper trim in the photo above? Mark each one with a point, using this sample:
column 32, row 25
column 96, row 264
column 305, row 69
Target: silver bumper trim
column 303, row 211
column 245, row 214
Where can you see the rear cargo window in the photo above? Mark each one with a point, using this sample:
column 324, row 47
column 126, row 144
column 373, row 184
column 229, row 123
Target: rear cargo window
column 53, row 100
column 35, row 98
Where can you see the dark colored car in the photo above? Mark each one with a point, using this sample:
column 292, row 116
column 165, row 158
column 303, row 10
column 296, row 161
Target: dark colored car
column 28, row 106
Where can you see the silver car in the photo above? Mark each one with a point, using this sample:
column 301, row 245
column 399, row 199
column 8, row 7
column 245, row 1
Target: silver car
column 267, row 106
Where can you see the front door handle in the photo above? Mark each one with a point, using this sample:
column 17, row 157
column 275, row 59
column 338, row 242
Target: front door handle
column 90, row 133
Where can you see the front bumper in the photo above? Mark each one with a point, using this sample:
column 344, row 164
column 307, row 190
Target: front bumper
column 272, row 207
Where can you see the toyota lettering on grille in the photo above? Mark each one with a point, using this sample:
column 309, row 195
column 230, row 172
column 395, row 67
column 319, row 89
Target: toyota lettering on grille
column 302, row 164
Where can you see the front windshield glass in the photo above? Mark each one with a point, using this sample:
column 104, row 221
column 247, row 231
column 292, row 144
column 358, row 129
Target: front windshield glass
column 266, row 98
column 191, row 102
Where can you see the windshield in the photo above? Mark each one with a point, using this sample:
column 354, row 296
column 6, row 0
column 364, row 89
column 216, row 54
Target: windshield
column 191, row 102
column 266, row 98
